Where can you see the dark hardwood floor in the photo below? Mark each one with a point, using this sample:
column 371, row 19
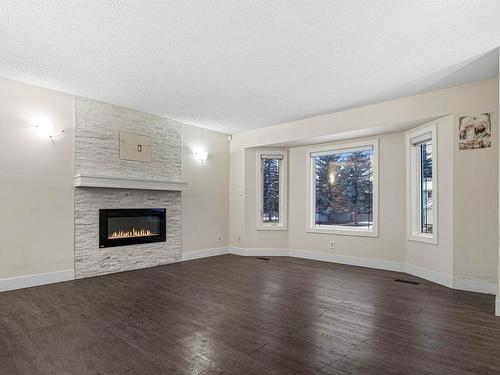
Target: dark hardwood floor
column 244, row 315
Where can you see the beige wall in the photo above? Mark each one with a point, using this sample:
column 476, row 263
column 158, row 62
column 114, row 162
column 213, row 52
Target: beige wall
column 467, row 247
column 475, row 201
column 376, row 118
column 439, row 258
column 237, row 197
column 205, row 205
column 36, row 184
column 36, row 181
column 261, row 239
column 497, row 307
column 389, row 245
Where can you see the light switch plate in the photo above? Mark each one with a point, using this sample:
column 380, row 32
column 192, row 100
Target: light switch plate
column 135, row 147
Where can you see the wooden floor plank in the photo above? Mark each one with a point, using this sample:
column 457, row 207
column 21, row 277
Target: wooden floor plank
column 243, row 315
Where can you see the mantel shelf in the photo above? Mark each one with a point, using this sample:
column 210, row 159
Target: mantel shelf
column 128, row 183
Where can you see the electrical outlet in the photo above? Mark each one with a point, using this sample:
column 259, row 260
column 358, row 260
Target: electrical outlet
column 332, row 244
column 239, row 239
column 219, row 238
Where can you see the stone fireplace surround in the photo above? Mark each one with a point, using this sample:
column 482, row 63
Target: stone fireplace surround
column 97, row 154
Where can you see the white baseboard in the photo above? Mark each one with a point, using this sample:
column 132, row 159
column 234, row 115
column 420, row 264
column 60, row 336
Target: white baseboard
column 204, row 253
column 497, row 307
column 431, row 275
column 474, row 285
column 257, row 252
column 380, row 264
column 27, row 281
column 467, row 284
column 471, row 285
column 236, row 251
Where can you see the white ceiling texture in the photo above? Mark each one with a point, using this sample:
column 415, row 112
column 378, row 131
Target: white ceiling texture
column 232, row 66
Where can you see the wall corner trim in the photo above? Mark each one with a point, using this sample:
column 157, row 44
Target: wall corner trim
column 431, row 275
column 20, row 282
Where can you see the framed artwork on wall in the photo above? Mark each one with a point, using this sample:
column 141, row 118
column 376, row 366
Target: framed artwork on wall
column 474, row 131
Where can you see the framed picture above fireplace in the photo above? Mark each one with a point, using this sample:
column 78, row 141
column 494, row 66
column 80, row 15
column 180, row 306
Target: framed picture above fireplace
column 131, row 226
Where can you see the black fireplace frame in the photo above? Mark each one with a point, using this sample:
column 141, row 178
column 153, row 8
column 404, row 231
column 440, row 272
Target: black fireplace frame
column 105, row 213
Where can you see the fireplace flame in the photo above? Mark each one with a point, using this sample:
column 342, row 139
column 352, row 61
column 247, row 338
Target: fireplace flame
column 131, row 233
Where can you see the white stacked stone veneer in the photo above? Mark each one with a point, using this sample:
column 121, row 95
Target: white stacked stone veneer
column 97, row 153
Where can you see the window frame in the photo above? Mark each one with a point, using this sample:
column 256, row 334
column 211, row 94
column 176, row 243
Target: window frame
column 283, row 199
column 311, row 191
column 414, row 138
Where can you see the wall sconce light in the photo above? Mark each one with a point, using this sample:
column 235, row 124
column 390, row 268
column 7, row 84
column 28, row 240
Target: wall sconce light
column 201, row 156
column 47, row 130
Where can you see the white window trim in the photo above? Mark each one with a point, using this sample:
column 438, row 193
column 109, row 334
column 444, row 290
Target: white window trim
column 412, row 174
column 283, row 176
column 310, row 191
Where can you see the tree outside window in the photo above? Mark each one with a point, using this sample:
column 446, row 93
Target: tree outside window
column 271, row 190
column 344, row 189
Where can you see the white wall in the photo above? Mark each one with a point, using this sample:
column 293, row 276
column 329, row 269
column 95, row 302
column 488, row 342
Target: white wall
column 435, row 261
column 475, row 201
column 376, row 118
column 36, row 181
column 468, row 247
column 497, row 307
column 237, row 196
column 36, row 186
column 389, row 245
column 262, row 239
column 205, row 205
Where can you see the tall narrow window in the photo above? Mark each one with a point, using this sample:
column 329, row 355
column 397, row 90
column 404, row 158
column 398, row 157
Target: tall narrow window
column 343, row 189
column 422, row 218
column 271, row 190
column 425, row 151
column 271, row 185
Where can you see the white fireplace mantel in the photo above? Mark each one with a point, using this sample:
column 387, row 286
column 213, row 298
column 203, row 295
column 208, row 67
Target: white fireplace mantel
column 128, row 183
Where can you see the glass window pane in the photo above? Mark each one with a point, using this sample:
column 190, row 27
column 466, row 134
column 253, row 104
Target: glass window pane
column 426, row 187
column 271, row 190
column 344, row 189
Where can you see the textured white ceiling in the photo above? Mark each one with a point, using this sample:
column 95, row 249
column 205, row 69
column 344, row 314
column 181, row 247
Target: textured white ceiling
column 234, row 66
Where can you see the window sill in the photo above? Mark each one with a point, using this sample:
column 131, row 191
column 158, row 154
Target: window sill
column 424, row 239
column 272, row 228
column 344, row 232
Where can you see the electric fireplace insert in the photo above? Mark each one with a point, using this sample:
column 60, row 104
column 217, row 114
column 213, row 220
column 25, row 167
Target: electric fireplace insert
column 130, row 226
